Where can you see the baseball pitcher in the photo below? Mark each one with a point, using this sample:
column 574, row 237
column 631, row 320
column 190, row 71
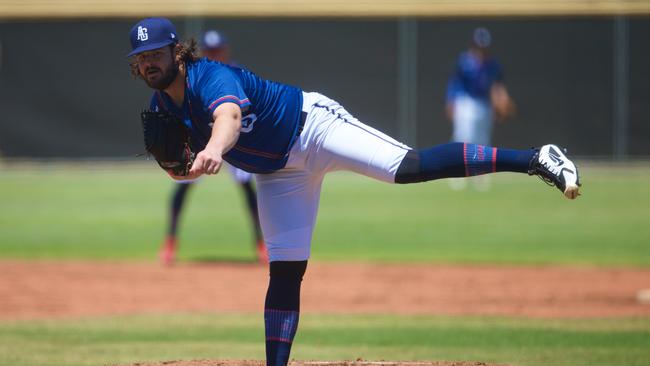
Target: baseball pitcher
column 291, row 139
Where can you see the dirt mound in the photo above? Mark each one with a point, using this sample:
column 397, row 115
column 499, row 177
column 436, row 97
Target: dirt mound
column 311, row 363
column 30, row 290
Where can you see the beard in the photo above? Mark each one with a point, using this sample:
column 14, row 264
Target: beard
column 159, row 79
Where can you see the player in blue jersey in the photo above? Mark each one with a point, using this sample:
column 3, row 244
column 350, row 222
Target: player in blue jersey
column 215, row 47
column 291, row 139
column 476, row 95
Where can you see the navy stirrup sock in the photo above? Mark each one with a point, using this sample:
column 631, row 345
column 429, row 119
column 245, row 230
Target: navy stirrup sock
column 178, row 199
column 457, row 159
column 518, row 161
column 282, row 309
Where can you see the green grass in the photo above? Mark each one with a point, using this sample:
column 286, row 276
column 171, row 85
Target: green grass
column 95, row 211
column 141, row 338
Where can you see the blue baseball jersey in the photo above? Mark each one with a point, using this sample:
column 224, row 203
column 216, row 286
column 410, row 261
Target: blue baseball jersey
column 473, row 78
column 270, row 113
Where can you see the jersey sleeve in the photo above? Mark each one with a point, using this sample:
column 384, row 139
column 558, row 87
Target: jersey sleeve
column 219, row 85
column 455, row 85
column 454, row 88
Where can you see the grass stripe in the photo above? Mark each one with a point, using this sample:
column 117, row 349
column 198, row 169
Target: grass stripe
column 518, row 341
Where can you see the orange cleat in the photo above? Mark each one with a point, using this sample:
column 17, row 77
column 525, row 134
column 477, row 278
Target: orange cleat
column 262, row 254
column 167, row 251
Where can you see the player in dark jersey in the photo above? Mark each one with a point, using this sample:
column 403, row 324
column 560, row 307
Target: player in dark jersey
column 476, row 95
column 215, row 47
column 291, row 139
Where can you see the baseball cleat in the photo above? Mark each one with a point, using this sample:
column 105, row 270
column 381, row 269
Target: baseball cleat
column 553, row 167
column 167, row 251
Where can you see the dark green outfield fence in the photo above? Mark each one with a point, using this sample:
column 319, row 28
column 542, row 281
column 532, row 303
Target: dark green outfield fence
column 66, row 91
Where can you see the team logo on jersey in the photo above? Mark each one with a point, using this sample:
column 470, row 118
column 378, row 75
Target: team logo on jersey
column 247, row 122
column 142, row 34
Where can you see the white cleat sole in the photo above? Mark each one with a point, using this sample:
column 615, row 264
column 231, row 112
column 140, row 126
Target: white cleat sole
column 572, row 191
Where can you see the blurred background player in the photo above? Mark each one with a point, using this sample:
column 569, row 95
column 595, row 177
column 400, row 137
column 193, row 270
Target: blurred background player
column 215, row 46
column 476, row 96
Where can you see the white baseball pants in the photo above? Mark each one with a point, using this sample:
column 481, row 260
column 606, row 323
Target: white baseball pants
column 240, row 176
column 332, row 139
column 472, row 121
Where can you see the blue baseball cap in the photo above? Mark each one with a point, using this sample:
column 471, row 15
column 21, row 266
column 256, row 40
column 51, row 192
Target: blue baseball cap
column 213, row 39
column 151, row 33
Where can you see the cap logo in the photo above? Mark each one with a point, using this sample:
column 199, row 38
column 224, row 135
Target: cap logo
column 212, row 38
column 142, row 34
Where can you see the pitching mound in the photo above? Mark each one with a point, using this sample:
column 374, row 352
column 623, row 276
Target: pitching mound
column 313, row 363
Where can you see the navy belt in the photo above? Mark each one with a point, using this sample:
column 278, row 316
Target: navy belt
column 301, row 123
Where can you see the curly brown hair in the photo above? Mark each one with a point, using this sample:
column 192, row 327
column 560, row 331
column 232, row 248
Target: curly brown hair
column 185, row 52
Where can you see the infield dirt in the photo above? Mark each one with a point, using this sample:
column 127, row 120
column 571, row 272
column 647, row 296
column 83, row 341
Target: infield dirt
column 48, row 289
column 311, row 363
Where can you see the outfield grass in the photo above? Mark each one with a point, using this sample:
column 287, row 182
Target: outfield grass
column 235, row 336
column 96, row 211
